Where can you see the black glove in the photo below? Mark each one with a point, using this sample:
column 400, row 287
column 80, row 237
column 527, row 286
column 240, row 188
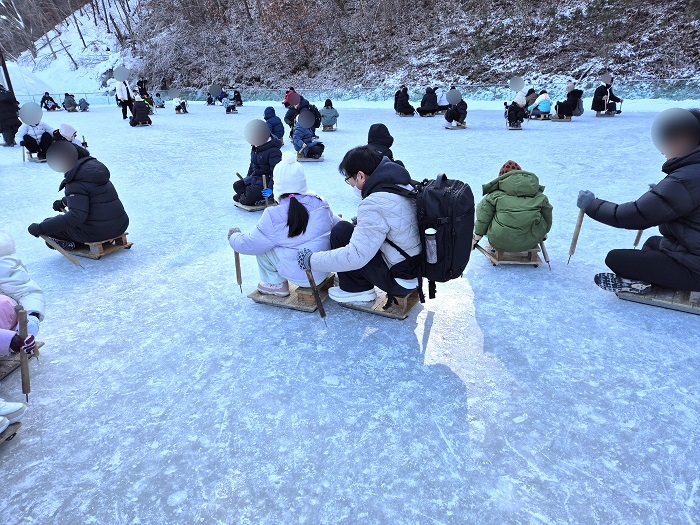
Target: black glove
column 35, row 229
column 58, row 205
column 21, row 143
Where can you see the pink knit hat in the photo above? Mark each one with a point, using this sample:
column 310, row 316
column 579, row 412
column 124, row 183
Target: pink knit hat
column 8, row 316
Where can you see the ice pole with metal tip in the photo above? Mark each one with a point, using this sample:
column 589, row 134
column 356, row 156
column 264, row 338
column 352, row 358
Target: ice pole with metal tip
column 317, row 296
column 267, row 199
column 546, row 255
column 23, row 357
column 239, row 278
column 57, row 247
column 577, row 231
column 638, row 238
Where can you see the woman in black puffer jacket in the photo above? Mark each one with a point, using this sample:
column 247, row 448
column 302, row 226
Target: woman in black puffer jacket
column 95, row 212
column 671, row 260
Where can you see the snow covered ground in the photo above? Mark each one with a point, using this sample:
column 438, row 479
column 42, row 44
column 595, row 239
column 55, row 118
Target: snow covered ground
column 518, row 396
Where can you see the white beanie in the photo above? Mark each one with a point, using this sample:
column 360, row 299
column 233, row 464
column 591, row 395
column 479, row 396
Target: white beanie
column 289, row 176
column 7, row 244
column 67, row 131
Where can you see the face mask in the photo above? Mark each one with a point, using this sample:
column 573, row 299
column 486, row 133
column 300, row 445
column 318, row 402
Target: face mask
column 357, row 191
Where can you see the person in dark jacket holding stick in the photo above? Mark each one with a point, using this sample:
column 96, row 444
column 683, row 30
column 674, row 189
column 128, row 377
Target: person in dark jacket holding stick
column 671, row 260
column 9, row 116
column 263, row 159
column 604, row 99
column 95, row 212
column 429, row 104
column 140, row 115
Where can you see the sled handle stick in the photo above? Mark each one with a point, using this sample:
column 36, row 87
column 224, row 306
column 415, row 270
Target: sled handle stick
column 23, row 357
column 487, row 254
column 239, row 175
column 546, row 255
column 317, row 296
column 267, row 199
column 577, row 231
column 638, row 238
column 55, row 246
column 239, row 278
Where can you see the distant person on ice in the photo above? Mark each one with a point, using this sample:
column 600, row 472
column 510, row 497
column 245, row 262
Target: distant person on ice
column 604, row 100
column 48, row 103
column 305, row 144
column 16, row 283
column 69, row 103
column 263, row 159
column 362, row 254
column 542, row 105
column 573, row 105
column 457, row 114
column 514, row 214
column 671, row 260
column 515, row 112
column 68, row 133
column 159, row 102
column 140, row 113
column 403, row 105
column 441, row 95
column 429, row 103
column 274, row 123
column 9, row 117
column 125, row 97
column 301, row 221
column 36, row 138
column 380, row 140
column 329, row 115
column 94, row 211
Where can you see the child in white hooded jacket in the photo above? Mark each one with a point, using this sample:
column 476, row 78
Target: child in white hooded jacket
column 16, row 283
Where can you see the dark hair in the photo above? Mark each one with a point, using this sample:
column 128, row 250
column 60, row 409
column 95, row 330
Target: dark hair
column 298, row 218
column 158, row 94
column 363, row 159
column 544, row 92
column 530, row 92
column 328, row 103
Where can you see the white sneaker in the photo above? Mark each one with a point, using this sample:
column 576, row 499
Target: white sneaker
column 447, row 124
column 341, row 296
column 14, row 412
column 4, row 423
column 279, row 290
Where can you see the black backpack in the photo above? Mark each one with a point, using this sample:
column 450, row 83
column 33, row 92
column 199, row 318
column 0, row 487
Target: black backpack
column 447, row 206
column 317, row 115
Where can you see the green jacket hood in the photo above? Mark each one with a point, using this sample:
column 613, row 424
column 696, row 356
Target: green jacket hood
column 518, row 183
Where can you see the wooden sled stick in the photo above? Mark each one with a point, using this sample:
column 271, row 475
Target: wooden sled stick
column 577, row 231
column 638, row 238
column 23, row 357
column 267, row 199
column 239, row 278
column 487, row 254
column 546, row 255
column 55, row 246
column 317, row 296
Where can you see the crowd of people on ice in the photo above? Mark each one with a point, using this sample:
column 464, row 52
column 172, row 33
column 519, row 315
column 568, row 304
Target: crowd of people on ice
column 384, row 246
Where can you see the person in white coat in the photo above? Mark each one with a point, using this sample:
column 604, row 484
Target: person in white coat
column 441, row 94
column 16, row 283
column 125, row 96
column 302, row 220
column 364, row 254
column 37, row 138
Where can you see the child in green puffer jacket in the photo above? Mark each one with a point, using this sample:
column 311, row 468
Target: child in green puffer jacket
column 514, row 214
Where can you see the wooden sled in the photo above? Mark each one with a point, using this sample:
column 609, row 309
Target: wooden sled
column 498, row 257
column 428, row 115
column 10, row 432
column 141, row 125
column 254, row 207
column 96, row 250
column 307, row 159
column 299, row 298
column 556, row 119
column 688, row 302
column 10, row 363
column 31, row 157
column 540, row 117
column 605, row 115
column 330, row 128
column 397, row 311
column 405, row 115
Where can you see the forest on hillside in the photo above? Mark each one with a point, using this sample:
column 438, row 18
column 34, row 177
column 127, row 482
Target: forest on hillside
column 361, row 42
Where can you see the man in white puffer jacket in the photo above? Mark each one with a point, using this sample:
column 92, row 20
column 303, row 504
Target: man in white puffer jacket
column 16, row 283
column 362, row 255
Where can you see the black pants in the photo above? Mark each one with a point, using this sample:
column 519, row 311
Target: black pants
column 564, row 109
column 374, row 273
column 515, row 114
column 653, row 266
column 8, row 132
column 133, row 123
column 315, row 151
column 452, row 115
column 125, row 105
column 39, row 148
column 247, row 194
column 423, row 112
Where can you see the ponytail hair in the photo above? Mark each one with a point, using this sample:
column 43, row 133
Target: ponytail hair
column 298, row 218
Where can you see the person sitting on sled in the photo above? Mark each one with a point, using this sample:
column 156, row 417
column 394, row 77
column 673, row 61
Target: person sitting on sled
column 604, row 99
column 541, row 106
column 515, row 112
column 94, row 213
column 671, row 260
column 265, row 154
column 514, row 214
column 365, row 254
column 17, row 284
column 69, row 133
column 302, row 220
column 48, row 103
column 329, row 115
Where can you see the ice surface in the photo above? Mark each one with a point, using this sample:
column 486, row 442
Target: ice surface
column 518, row 396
